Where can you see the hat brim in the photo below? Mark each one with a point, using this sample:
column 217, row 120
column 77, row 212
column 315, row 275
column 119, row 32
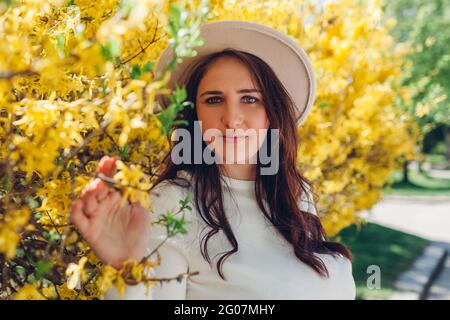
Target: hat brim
column 286, row 58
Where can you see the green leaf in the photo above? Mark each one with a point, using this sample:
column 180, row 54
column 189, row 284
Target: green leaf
column 5, row 4
column 184, row 203
column 177, row 103
column 126, row 6
column 60, row 44
column 71, row 167
column 20, row 253
column 31, row 203
column 124, row 151
column 42, row 268
column 173, row 226
column 31, row 278
column 111, row 50
column 175, row 15
column 135, row 72
column 323, row 104
column 5, row 183
column 148, row 67
column 52, row 236
column 166, row 118
column 20, row 270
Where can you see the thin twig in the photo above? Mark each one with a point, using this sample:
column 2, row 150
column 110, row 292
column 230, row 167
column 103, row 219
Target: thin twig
column 179, row 278
column 12, row 74
column 144, row 48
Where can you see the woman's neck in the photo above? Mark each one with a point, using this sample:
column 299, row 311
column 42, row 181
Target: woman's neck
column 239, row 171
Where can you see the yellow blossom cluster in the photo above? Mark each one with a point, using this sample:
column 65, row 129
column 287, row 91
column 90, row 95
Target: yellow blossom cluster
column 76, row 83
column 355, row 135
column 10, row 228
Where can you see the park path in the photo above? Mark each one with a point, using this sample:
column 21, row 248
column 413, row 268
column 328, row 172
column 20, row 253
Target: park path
column 440, row 290
column 425, row 217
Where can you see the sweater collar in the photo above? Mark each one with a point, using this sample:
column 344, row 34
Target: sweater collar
column 238, row 184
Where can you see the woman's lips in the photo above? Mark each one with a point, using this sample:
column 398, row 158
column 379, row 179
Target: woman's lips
column 233, row 139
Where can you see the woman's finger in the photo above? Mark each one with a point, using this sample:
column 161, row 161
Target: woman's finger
column 78, row 218
column 107, row 166
column 90, row 203
column 111, row 203
column 91, row 185
column 102, row 191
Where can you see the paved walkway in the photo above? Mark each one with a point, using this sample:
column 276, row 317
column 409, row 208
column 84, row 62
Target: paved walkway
column 424, row 217
column 434, row 173
column 439, row 174
column 440, row 290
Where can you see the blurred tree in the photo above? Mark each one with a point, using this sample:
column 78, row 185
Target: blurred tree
column 426, row 25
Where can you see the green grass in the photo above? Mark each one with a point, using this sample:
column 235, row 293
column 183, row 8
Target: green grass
column 393, row 251
column 420, row 184
column 435, row 159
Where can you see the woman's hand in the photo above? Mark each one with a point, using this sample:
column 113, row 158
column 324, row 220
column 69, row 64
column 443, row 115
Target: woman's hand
column 115, row 234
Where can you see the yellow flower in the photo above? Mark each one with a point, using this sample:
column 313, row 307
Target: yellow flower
column 28, row 292
column 9, row 240
column 14, row 221
column 137, row 272
column 120, row 285
column 49, row 292
column 136, row 179
column 105, row 281
column 67, row 294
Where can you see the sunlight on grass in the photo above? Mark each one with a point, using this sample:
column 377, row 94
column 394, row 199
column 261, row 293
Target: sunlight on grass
column 420, row 184
column 435, row 159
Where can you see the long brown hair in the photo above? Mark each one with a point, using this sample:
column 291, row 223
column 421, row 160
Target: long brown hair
column 280, row 191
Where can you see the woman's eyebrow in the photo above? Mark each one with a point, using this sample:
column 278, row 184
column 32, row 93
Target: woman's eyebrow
column 220, row 92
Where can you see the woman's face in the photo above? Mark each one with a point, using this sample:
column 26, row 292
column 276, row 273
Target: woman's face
column 228, row 101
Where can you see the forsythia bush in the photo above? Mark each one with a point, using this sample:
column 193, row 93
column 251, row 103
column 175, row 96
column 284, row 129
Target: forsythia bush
column 355, row 136
column 77, row 82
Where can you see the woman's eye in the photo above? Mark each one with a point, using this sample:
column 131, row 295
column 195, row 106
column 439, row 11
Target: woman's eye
column 212, row 100
column 247, row 99
column 251, row 99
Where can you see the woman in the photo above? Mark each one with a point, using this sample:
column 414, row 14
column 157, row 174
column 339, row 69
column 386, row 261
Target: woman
column 252, row 233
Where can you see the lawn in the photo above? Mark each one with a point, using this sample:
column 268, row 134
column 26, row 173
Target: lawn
column 435, row 159
column 420, row 184
column 393, row 251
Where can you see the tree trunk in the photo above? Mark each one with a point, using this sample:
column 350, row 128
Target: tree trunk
column 421, row 167
column 447, row 141
column 405, row 172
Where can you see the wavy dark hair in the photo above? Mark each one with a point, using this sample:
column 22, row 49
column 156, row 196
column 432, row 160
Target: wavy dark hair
column 281, row 191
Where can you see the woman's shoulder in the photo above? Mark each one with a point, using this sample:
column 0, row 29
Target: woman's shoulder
column 166, row 189
column 179, row 184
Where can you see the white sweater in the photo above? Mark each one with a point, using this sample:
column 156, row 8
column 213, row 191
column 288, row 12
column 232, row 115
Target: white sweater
column 264, row 267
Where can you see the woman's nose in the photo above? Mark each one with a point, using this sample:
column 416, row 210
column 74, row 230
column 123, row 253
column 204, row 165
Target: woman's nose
column 233, row 117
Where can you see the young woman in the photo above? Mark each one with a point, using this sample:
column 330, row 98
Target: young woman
column 251, row 233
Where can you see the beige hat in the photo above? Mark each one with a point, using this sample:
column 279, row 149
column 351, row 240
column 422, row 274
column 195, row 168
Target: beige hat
column 289, row 62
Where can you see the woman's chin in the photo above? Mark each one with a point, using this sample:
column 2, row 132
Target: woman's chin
column 243, row 159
